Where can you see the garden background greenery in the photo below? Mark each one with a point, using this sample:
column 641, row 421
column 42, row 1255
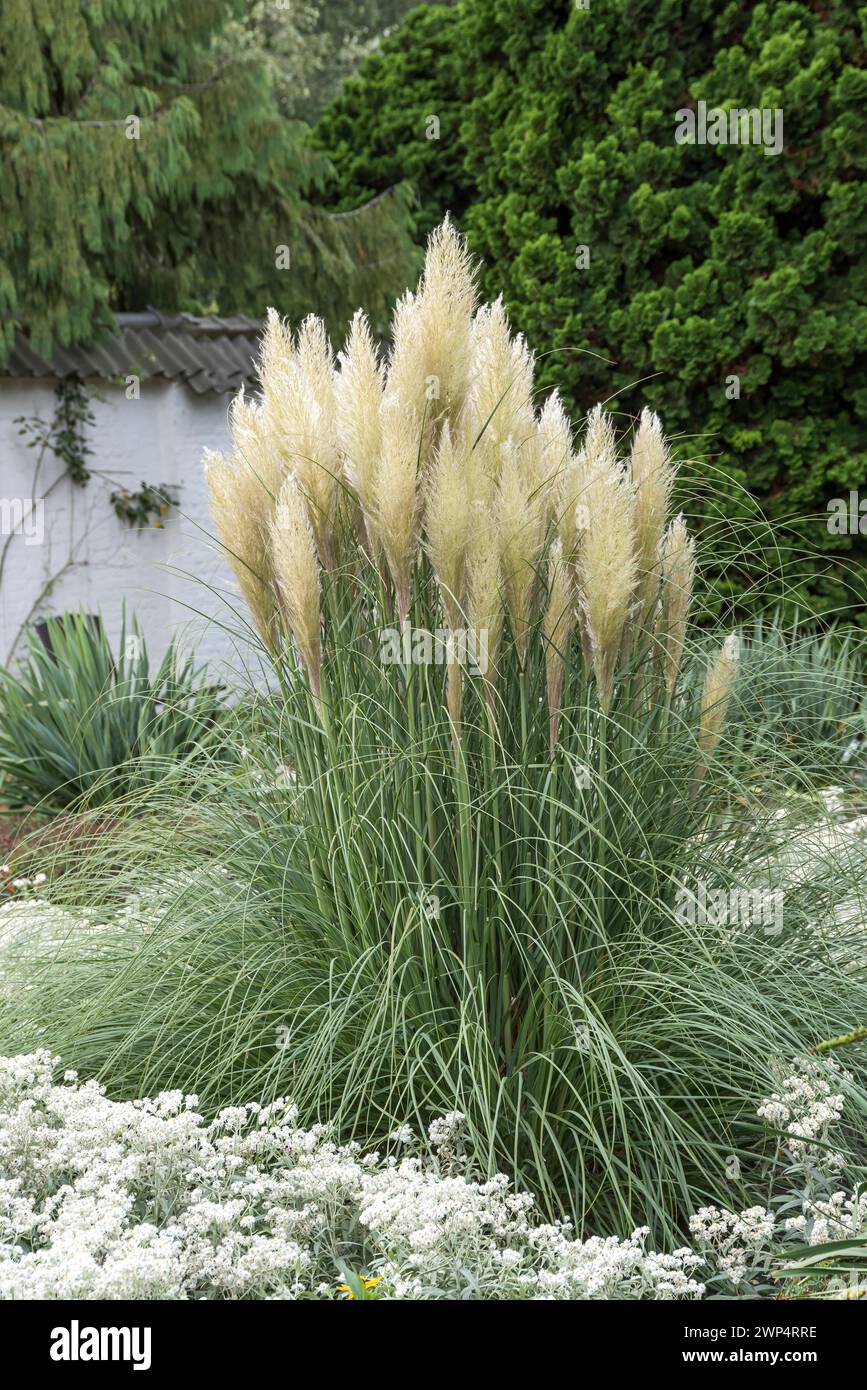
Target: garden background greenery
column 535, row 976
column 556, row 132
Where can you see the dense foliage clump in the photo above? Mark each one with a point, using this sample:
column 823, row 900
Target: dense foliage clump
column 83, row 725
column 702, row 263
column 146, row 158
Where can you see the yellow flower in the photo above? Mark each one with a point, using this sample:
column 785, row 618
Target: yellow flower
column 368, row 1284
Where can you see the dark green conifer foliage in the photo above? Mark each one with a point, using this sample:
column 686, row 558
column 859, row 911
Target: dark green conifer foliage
column 143, row 162
column 705, row 262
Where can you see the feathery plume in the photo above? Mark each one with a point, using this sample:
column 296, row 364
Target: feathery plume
column 358, row 388
column 254, row 446
column 406, row 369
column 484, row 591
column 559, row 623
column 500, row 396
column 299, row 408
column 607, row 570
column 276, row 352
column 396, row 499
column 677, row 567
column 296, row 569
column 600, row 441
column 520, row 514
column 447, row 522
column 555, row 441
column 448, row 518
column 718, row 684
column 241, row 508
column 568, row 503
column 561, row 471
column 446, row 301
column 653, row 480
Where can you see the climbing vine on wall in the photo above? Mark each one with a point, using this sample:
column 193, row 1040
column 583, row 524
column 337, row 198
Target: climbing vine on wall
column 65, row 436
column 137, row 508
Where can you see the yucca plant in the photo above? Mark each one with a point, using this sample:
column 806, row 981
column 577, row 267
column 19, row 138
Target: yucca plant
column 462, row 891
column 80, row 724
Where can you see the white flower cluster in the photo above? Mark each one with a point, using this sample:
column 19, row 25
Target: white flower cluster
column 26, row 919
column 744, row 1246
column 30, row 920
column 20, row 885
column 147, row 1200
column 839, row 1216
column 446, row 1135
column 740, row 1244
column 803, row 1108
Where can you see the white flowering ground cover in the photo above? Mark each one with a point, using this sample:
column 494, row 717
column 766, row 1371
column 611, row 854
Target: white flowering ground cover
column 109, row 1200
column 147, row 1199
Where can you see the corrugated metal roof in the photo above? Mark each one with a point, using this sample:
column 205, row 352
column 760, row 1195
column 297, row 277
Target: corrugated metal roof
column 207, row 354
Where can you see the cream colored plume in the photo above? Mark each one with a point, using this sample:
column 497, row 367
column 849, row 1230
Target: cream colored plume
column 300, row 410
column 255, row 448
column 431, row 337
column 358, row 390
column 276, row 352
column 677, row 566
column 561, row 472
column 241, row 509
column 406, row 375
column 500, row 398
column 296, row 570
column 653, row 480
column 599, row 445
column 718, row 685
column 607, row 566
column 560, row 617
column 447, row 301
column 448, row 520
column 484, row 591
column 555, row 440
column 568, row 505
column 520, row 516
column 396, row 503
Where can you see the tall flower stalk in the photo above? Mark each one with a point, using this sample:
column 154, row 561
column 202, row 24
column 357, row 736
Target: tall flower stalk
column 432, row 477
column 464, row 594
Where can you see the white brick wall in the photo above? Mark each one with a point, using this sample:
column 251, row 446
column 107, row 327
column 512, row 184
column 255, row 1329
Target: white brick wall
column 87, row 557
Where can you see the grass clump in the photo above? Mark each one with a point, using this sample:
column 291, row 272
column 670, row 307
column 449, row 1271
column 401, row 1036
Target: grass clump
column 455, row 873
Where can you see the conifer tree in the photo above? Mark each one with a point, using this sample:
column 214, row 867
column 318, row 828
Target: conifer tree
column 723, row 284
column 312, row 46
column 143, row 161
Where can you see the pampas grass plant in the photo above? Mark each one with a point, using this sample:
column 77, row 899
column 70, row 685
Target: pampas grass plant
column 453, row 884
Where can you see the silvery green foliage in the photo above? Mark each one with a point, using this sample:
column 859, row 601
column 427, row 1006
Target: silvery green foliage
column 146, row 1199
column 747, row 1250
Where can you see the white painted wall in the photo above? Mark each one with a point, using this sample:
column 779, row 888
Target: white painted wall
column 86, row 557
